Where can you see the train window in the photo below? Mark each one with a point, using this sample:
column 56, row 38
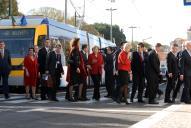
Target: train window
column 40, row 41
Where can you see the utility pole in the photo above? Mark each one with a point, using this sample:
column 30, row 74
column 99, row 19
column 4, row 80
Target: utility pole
column 111, row 33
column 75, row 19
column 10, row 8
column 65, row 14
column 132, row 27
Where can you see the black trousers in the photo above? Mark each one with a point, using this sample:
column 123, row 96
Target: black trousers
column 109, row 82
column 177, row 88
column 171, row 83
column 187, row 87
column 84, row 89
column 138, row 83
column 43, row 88
column 56, row 83
column 153, row 84
column 4, row 77
column 96, row 80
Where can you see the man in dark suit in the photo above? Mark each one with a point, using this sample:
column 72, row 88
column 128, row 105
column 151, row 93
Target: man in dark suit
column 138, row 70
column 55, row 70
column 185, row 72
column 5, row 68
column 109, row 77
column 42, row 55
column 172, row 74
column 153, row 73
column 84, row 53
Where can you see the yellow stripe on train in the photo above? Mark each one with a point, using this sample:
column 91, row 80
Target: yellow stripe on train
column 17, row 73
column 17, row 61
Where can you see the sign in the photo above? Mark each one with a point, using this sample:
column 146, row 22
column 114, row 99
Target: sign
column 187, row 2
column 16, row 33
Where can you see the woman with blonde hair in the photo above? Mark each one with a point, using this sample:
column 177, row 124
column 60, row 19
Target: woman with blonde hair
column 76, row 70
column 95, row 65
column 124, row 67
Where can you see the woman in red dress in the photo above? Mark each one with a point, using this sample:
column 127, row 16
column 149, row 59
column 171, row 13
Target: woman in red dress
column 30, row 73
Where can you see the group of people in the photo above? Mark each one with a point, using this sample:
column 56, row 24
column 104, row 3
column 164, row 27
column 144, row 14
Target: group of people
column 44, row 67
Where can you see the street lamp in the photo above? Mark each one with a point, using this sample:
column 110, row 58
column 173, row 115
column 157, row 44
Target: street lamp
column 132, row 27
column 111, row 10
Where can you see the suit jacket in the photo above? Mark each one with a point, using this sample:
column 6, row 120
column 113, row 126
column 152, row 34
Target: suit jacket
column 5, row 63
column 172, row 63
column 85, row 58
column 54, row 64
column 185, row 63
column 42, row 55
column 108, row 65
column 138, row 63
column 153, row 65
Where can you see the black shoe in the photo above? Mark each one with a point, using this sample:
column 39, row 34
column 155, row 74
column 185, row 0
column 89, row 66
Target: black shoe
column 168, row 101
column 86, row 99
column 126, row 102
column 153, row 102
column 71, row 100
column 43, row 98
column 141, row 101
column 7, row 96
column 118, row 101
column 55, row 100
column 188, row 102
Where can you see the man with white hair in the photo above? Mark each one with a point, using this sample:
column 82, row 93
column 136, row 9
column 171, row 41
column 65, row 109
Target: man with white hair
column 185, row 72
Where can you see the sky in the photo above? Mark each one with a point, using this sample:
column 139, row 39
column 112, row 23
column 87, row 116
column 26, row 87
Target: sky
column 155, row 20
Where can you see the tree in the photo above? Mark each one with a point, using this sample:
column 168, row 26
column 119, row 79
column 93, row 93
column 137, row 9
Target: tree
column 4, row 8
column 49, row 12
column 104, row 30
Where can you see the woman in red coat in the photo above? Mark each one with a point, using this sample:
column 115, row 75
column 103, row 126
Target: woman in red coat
column 30, row 73
column 124, row 68
column 95, row 66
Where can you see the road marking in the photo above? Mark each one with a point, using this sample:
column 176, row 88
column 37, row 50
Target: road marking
column 152, row 120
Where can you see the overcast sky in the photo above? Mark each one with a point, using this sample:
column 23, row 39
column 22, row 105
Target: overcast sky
column 163, row 20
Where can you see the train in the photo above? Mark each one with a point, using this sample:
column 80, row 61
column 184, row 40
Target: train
column 18, row 37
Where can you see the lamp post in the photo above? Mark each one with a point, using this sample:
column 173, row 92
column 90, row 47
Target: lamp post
column 111, row 33
column 132, row 27
column 65, row 14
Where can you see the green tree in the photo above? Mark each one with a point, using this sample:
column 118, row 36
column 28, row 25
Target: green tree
column 104, row 30
column 4, row 8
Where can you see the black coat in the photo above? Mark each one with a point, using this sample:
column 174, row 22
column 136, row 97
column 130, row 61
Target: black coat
column 138, row 65
column 85, row 58
column 5, row 63
column 153, row 66
column 42, row 55
column 172, row 63
column 109, row 65
column 52, row 66
column 185, row 63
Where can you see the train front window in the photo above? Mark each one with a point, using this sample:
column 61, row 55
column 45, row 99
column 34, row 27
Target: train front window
column 17, row 41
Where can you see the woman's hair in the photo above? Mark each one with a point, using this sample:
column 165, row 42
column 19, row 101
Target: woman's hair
column 74, row 42
column 127, row 45
column 94, row 47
